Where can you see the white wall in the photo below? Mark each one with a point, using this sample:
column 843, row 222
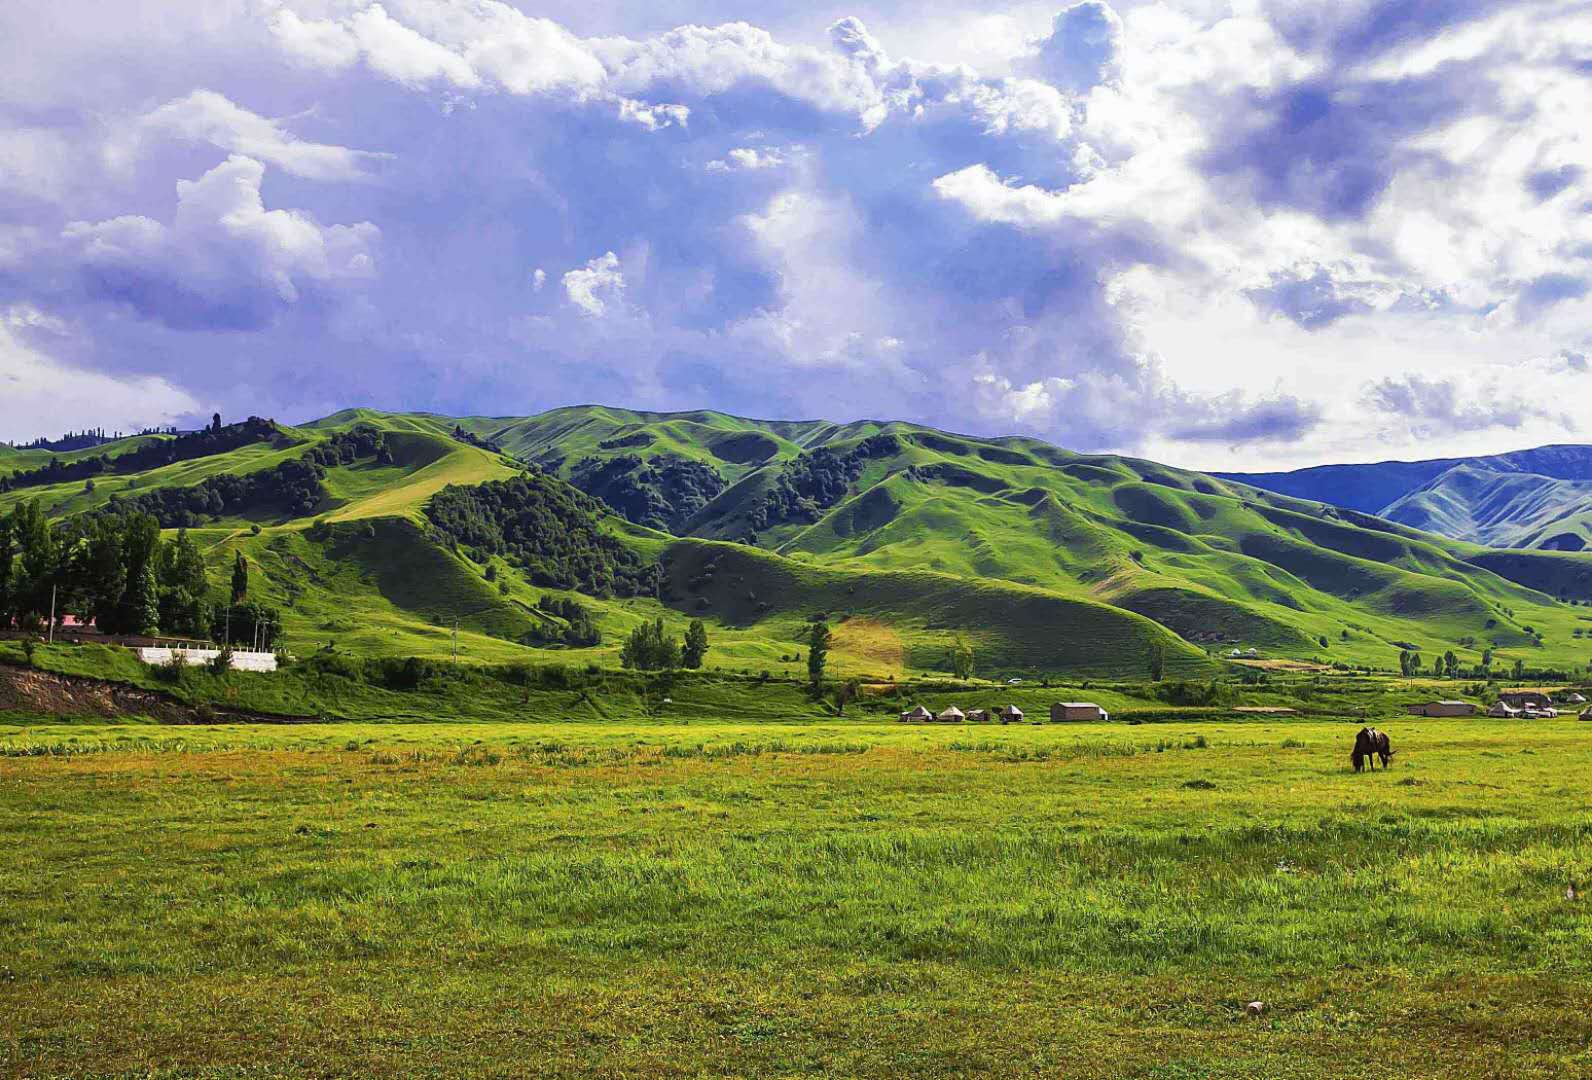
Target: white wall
column 242, row 659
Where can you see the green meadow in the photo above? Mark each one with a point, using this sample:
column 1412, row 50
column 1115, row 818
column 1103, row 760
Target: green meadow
column 687, row 896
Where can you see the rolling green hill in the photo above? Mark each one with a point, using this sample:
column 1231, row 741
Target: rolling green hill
column 911, row 542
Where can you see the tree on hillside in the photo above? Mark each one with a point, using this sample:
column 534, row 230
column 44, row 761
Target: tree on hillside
column 100, row 571
column 139, row 609
column 1157, row 662
column 1451, row 664
column 817, row 654
column 962, row 660
column 695, row 649
column 1520, row 669
column 34, row 565
column 649, row 648
column 1405, row 656
column 7, row 559
column 240, row 578
column 182, row 588
column 140, row 606
column 849, row 691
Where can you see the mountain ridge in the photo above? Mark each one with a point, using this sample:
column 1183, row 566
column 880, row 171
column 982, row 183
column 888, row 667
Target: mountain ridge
column 1538, row 498
column 914, row 541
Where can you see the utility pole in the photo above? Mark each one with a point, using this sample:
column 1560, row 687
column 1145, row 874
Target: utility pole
column 52, row 615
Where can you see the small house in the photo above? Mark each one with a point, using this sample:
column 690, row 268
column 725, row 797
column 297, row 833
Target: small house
column 978, row 716
column 952, row 715
column 1503, row 710
column 1077, row 710
column 1575, row 698
column 1443, row 708
column 1521, row 698
column 1586, row 714
column 917, row 715
column 1011, row 714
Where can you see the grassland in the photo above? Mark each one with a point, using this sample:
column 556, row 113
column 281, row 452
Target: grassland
column 686, row 898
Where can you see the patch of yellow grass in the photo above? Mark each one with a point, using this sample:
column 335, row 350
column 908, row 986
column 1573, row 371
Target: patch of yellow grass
column 871, row 644
column 466, row 465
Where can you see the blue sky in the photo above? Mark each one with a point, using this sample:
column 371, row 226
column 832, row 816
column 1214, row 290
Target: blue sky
column 1239, row 234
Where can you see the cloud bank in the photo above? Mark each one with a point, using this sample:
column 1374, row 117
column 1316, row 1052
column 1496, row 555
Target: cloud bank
column 1220, row 234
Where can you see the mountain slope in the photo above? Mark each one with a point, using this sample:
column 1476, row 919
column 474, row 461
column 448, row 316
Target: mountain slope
column 1500, row 509
column 1540, row 498
column 911, row 541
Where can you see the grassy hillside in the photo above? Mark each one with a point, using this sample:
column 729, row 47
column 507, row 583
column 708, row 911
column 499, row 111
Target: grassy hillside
column 912, row 541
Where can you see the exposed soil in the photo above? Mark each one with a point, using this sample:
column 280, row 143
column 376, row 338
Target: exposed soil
column 28, row 690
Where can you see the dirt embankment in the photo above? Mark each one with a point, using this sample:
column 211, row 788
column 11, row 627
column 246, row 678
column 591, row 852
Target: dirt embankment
column 28, row 690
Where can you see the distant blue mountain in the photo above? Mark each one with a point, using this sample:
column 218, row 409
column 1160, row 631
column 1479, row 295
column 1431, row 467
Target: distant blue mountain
column 1539, row 498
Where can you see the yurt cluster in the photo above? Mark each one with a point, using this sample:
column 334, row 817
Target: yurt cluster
column 1006, row 714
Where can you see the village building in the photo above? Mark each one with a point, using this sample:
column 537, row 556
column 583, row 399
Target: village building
column 1011, row 714
column 978, row 716
column 916, row 715
column 1503, row 710
column 1077, row 710
column 952, row 715
column 1520, row 698
column 1443, row 708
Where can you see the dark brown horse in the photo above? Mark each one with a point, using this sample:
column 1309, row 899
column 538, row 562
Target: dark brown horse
column 1369, row 745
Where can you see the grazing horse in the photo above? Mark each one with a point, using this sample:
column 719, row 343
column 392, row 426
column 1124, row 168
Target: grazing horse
column 1369, row 745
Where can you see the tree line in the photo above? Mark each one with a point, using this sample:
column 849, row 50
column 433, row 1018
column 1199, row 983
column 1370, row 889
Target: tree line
column 663, row 493
column 117, row 570
column 579, row 629
column 546, row 528
column 812, row 482
column 215, row 439
column 293, row 488
column 650, row 647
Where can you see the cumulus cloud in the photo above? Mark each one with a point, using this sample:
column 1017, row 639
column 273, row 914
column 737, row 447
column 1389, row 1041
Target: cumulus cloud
column 1312, row 301
column 1084, row 49
column 225, row 262
column 748, row 157
column 1436, row 406
column 653, row 117
column 595, row 286
column 1127, row 216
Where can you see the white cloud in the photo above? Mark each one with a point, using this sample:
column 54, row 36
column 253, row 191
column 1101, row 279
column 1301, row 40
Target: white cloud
column 225, row 261
column 598, row 284
column 206, row 116
column 988, row 198
column 46, row 397
column 1084, row 49
column 653, row 117
column 748, row 157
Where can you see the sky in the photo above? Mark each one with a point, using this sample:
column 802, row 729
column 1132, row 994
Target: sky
column 1253, row 234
